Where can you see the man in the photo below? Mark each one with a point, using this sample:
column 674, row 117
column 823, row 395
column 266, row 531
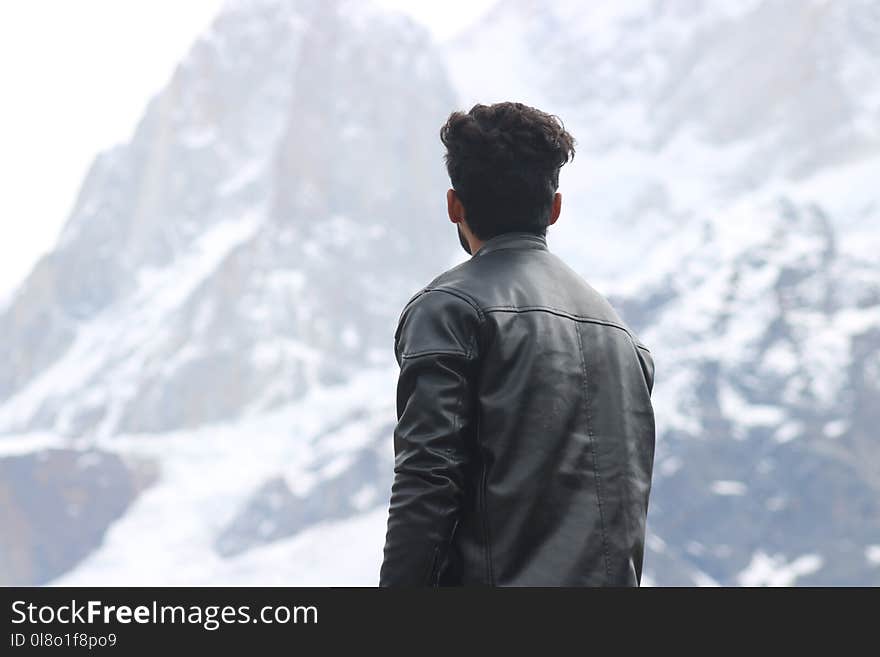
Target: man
column 525, row 436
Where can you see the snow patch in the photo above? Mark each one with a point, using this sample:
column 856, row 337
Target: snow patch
column 767, row 570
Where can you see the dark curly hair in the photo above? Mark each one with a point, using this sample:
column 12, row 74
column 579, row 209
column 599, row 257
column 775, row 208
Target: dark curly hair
column 503, row 161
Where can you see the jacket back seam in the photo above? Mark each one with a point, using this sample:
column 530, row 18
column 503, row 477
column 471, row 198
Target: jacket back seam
column 557, row 311
column 562, row 313
column 594, row 453
column 484, row 513
column 483, row 508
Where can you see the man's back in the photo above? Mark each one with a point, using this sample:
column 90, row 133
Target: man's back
column 525, row 437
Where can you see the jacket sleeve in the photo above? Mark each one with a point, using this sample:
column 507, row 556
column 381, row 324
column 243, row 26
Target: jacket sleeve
column 436, row 347
column 647, row 363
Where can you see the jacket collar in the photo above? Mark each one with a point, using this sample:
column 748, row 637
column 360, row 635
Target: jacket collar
column 512, row 240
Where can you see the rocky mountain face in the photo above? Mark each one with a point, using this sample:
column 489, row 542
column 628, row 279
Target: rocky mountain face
column 216, row 319
column 55, row 505
column 201, row 269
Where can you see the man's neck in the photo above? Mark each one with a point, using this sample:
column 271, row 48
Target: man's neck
column 475, row 243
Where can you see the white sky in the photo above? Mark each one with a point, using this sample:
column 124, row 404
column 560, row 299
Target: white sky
column 76, row 76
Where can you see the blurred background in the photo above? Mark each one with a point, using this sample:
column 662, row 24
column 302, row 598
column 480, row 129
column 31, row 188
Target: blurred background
column 215, row 211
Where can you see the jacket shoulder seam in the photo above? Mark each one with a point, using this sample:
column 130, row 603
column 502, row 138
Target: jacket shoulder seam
column 461, row 295
column 472, row 348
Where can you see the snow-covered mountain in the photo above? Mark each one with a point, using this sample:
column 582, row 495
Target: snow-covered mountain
column 211, row 336
column 725, row 195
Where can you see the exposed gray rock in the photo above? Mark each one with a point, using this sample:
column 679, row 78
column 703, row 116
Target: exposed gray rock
column 56, row 505
column 274, row 512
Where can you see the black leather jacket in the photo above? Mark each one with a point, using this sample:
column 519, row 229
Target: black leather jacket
column 525, row 436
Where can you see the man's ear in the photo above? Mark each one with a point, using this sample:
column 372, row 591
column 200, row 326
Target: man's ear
column 454, row 206
column 555, row 209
